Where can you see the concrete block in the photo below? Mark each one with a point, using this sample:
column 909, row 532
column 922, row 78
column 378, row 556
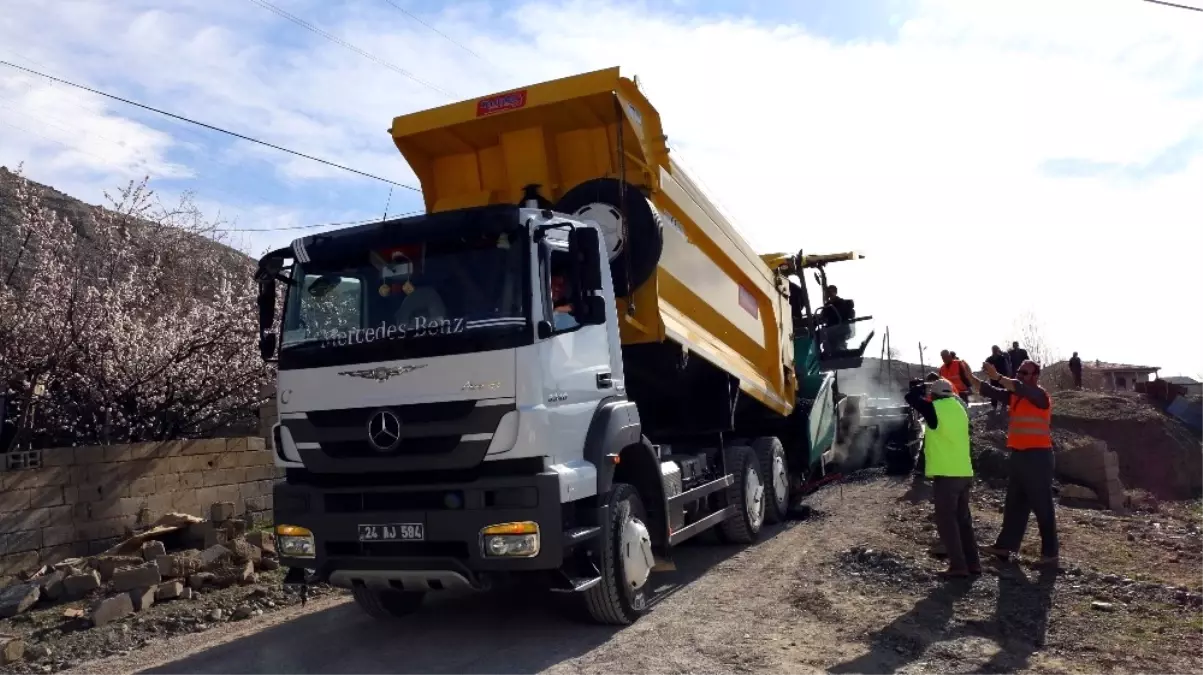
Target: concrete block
column 214, row 555
column 142, row 487
column 18, row 542
column 29, row 519
column 43, row 497
column 91, row 454
column 15, row 563
column 111, row 609
column 192, row 480
column 236, row 444
column 78, row 585
column 197, row 581
column 221, row 511
column 117, row 453
column 260, row 457
column 52, row 584
column 153, row 549
column 265, row 541
column 167, row 483
column 58, row 535
column 107, row 565
column 14, row 500
column 254, row 443
column 169, row 590
column 143, row 598
column 136, row 577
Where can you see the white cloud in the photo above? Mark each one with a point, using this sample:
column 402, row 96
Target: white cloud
column 928, row 151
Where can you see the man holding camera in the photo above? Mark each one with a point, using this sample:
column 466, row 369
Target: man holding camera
column 948, row 464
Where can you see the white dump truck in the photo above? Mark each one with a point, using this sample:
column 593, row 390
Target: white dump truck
column 569, row 364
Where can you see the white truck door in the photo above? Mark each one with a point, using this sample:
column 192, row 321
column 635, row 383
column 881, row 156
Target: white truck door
column 576, row 364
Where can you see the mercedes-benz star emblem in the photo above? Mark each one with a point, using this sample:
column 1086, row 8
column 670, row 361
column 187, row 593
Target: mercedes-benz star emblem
column 384, row 431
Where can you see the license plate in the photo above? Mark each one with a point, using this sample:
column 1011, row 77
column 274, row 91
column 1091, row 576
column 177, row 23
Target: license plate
column 393, row 532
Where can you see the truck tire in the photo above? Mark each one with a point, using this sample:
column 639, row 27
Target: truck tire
column 747, row 492
column 387, row 603
column 601, row 200
column 775, row 472
column 614, row 601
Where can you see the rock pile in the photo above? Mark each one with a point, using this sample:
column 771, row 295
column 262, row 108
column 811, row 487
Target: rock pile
column 131, row 577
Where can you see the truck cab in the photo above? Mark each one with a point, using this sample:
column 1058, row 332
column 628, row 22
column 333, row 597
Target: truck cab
column 453, row 411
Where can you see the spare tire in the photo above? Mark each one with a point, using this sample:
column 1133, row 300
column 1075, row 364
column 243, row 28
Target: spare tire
column 600, row 200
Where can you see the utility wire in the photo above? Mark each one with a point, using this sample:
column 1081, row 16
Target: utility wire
column 209, row 126
column 337, row 40
column 446, row 37
column 1171, row 4
column 349, row 223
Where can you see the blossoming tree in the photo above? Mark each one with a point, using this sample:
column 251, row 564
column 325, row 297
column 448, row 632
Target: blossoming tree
column 128, row 324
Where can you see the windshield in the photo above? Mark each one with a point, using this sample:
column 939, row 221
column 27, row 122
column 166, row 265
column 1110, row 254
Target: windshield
column 391, row 298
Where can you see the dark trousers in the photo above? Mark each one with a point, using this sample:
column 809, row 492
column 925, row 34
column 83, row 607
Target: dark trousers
column 964, row 396
column 954, row 522
column 1077, row 379
column 1029, row 490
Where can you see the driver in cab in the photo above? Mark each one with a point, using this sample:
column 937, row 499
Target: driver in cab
column 561, row 300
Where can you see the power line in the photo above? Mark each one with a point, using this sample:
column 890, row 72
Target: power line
column 209, row 126
column 337, row 40
column 349, row 223
column 1171, row 4
column 446, row 37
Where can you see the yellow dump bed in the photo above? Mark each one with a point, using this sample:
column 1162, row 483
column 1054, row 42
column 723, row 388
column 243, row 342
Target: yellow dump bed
column 710, row 291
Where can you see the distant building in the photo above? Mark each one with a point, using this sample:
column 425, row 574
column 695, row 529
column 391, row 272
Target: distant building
column 1192, row 386
column 1115, row 376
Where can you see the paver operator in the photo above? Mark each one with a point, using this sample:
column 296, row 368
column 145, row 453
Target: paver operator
column 948, row 464
column 1030, row 463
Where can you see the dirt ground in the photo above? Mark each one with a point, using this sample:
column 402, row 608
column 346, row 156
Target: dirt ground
column 849, row 589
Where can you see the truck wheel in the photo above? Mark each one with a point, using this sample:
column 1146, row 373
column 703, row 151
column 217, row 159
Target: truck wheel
column 387, row 603
column 626, row 562
column 747, row 492
column 775, row 472
column 601, row 200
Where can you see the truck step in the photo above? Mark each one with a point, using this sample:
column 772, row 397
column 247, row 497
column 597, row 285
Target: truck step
column 579, row 535
column 577, row 585
column 664, row 565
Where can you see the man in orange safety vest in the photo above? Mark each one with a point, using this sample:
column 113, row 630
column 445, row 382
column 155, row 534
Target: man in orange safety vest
column 1030, row 462
column 957, row 372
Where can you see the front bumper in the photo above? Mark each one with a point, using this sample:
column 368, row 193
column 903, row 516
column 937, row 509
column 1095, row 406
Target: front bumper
column 453, row 516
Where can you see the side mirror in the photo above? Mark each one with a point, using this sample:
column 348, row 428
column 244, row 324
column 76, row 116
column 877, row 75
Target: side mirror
column 267, row 346
column 267, row 304
column 590, row 310
column 544, row 329
column 584, row 248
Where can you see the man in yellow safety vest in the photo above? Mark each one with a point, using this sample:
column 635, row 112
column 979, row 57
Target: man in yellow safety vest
column 948, row 464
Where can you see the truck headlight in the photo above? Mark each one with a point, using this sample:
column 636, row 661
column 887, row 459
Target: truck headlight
column 294, row 541
column 510, row 540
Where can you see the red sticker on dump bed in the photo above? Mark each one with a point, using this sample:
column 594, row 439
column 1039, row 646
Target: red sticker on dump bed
column 748, row 302
column 500, row 103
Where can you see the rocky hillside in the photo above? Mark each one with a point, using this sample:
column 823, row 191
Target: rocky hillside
column 77, row 213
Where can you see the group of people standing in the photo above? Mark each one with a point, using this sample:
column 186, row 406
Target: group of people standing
column 1012, row 380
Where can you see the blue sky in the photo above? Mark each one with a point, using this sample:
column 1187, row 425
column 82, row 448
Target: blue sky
column 1057, row 143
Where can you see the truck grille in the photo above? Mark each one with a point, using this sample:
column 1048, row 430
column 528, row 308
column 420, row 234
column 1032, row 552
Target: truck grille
column 446, row 435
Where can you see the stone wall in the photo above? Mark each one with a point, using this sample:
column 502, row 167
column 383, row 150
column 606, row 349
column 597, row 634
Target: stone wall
column 84, row 500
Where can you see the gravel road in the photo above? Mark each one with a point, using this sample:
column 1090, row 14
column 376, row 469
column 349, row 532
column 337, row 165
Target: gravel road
column 849, row 589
